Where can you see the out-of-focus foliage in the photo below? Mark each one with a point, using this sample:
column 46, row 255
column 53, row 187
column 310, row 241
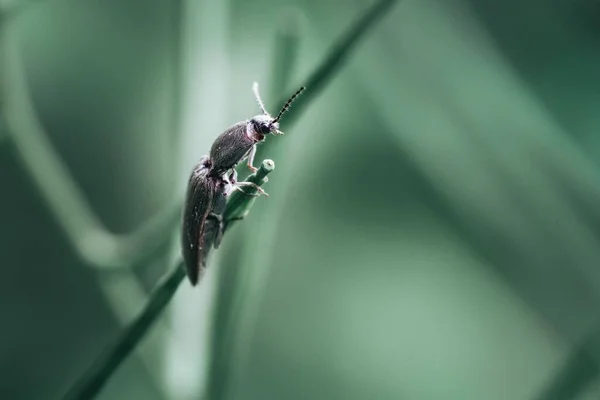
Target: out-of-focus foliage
column 432, row 231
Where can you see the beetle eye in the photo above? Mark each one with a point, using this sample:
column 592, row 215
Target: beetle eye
column 265, row 128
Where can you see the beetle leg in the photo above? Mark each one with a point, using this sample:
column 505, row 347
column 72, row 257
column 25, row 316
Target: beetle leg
column 227, row 182
column 233, row 176
column 247, row 194
column 251, row 159
column 252, row 184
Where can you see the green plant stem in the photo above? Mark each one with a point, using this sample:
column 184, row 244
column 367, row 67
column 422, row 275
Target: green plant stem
column 239, row 204
column 92, row 381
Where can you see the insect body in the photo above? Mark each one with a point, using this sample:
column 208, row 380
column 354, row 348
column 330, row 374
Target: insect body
column 202, row 218
column 212, row 180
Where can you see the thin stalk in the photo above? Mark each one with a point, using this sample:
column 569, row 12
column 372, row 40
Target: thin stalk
column 283, row 59
column 96, row 376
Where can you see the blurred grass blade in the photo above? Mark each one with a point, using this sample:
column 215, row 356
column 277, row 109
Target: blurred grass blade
column 91, row 240
column 579, row 372
column 135, row 295
column 92, row 381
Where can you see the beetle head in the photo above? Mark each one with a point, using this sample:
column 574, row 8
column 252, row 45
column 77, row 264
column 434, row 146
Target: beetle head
column 266, row 124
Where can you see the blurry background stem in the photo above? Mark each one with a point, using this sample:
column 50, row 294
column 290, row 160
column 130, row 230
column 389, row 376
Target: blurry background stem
column 95, row 245
column 204, row 29
column 231, row 325
column 92, row 242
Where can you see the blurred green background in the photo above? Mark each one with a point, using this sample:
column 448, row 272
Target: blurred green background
column 433, row 227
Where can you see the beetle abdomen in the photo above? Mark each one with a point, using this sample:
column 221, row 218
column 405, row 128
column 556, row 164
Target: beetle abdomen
column 199, row 200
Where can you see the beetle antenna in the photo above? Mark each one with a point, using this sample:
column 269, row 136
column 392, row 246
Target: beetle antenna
column 289, row 103
column 258, row 99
